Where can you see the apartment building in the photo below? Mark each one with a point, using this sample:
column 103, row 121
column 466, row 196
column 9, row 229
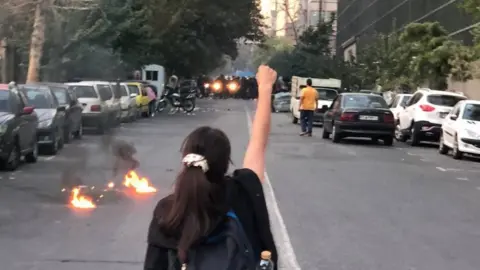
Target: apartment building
column 359, row 21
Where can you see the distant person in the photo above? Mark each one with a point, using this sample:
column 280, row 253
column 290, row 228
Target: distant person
column 151, row 100
column 212, row 220
column 308, row 105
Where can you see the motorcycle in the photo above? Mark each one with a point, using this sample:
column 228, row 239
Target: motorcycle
column 184, row 99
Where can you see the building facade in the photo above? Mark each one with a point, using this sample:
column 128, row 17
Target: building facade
column 360, row 20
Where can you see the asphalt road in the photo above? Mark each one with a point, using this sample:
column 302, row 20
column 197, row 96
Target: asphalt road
column 349, row 206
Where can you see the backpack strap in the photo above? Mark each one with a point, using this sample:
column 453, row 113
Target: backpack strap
column 172, row 260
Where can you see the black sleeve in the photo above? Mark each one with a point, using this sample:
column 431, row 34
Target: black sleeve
column 252, row 185
column 156, row 258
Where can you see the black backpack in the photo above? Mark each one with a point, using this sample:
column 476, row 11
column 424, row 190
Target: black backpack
column 228, row 250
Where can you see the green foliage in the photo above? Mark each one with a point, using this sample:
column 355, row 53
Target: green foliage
column 471, row 7
column 311, row 56
column 421, row 54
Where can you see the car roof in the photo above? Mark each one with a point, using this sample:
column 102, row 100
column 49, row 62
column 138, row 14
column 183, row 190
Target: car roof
column 428, row 91
column 471, row 101
column 134, row 83
column 97, row 82
column 359, row 94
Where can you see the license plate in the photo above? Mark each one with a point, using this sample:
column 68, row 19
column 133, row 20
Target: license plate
column 368, row 117
column 442, row 114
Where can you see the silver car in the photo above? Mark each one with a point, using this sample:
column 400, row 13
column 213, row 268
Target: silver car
column 281, row 102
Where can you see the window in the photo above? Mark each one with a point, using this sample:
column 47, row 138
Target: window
column 364, row 101
column 152, row 75
column 39, row 98
column 444, row 100
column 395, row 102
column 115, row 88
column 405, row 99
column 456, row 110
column 83, row 91
column 133, row 89
column 327, row 94
column 105, row 92
column 123, row 91
column 471, row 112
column 416, row 98
column 61, row 95
column 5, row 101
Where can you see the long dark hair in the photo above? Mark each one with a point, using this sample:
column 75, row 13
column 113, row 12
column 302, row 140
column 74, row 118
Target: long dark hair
column 197, row 203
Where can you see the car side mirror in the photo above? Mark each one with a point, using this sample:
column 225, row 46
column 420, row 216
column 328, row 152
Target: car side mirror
column 324, row 107
column 454, row 117
column 133, row 95
column 27, row 110
column 61, row 109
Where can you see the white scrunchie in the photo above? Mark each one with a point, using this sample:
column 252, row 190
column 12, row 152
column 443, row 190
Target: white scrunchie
column 196, row 160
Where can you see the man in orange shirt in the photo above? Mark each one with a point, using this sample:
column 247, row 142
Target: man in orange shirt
column 308, row 105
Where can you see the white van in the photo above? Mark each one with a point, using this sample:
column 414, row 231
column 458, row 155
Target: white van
column 327, row 90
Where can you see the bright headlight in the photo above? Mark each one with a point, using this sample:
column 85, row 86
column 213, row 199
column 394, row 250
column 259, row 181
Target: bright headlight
column 206, row 85
column 232, row 86
column 45, row 123
column 217, row 86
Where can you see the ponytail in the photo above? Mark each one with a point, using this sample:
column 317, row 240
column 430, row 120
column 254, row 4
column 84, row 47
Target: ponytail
column 189, row 216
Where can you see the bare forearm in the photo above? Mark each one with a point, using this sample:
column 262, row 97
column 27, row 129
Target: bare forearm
column 255, row 154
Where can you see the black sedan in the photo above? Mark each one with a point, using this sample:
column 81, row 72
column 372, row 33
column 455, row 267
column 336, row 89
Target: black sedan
column 359, row 115
column 73, row 114
column 51, row 117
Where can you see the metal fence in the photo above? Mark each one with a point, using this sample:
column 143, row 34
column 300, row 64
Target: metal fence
column 361, row 19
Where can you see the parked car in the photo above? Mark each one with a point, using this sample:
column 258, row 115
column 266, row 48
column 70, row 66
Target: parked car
column 116, row 102
column 51, row 117
column 141, row 99
column 398, row 104
column 461, row 130
column 111, row 97
column 73, row 111
column 423, row 116
column 359, row 115
column 96, row 112
column 128, row 103
column 18, row 128
column 281, row 102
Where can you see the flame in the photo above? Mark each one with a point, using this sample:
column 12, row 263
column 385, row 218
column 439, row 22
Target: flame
column 141, row 185
column 80, row 201
column 232, row 87
column 217, row 87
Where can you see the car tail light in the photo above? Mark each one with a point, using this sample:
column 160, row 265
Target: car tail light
column 347, row 116
column 388, row 118
column 95, row 108
column 427, row 108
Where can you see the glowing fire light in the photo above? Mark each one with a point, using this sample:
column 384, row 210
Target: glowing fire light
column 232, row 87
column 141, row 185
column 80, row 201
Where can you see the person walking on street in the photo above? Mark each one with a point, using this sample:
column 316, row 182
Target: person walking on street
column 308, row 105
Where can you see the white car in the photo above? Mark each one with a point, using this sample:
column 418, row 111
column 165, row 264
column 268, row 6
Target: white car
column 398, row 104
column 461, row 130
column 423, row 116
column 128, row 103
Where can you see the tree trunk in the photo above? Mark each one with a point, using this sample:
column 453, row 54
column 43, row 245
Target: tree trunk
column 36, row 44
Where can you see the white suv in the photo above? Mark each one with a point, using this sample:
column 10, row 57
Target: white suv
column 461, row 130
column 423, row 115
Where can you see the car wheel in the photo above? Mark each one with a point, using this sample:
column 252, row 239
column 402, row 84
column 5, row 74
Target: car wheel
column 67, row 134
column 442, row 148
column 399, row 134
column 336, row 137
column 388, row 141
column 32, row 156
column 54, row 147
column 325, row 134
column 457, row 154
column 13, row 160
column 188, row 105
column 414, row 140
column 294, row 119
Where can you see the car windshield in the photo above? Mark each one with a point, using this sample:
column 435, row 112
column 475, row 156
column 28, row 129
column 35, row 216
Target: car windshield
column 133, row 89
column 472, row 112
column 4, row 104
column 61, row 96
column 327, row 94
column 39, row 98
column 404, row 101
column 84, row 91
column 444, row 100
column 364, row 101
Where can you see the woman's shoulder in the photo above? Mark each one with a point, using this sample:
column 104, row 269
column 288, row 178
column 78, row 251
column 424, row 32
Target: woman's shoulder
column 246, row 180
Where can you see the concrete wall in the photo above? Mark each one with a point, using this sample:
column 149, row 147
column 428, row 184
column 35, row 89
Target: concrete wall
column 470, row 88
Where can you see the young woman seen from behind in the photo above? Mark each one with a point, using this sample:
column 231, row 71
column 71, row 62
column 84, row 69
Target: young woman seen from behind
column 199, row 202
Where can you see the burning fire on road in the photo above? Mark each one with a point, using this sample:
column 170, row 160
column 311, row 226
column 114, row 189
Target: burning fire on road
column 79, row 198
